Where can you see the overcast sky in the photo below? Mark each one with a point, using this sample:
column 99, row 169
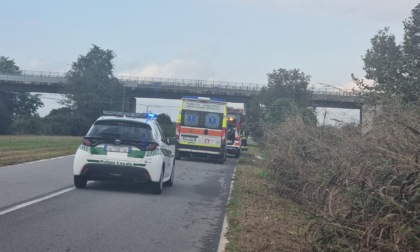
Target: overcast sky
column 224, row 40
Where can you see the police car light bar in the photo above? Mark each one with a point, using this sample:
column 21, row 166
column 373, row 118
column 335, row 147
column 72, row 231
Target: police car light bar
column 124, row 114
column 150, row 115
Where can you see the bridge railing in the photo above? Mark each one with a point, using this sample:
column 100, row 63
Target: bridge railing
column 42, row 73
column 190, row 83
column 57, row 77
column 334, row 91
column 34, row 77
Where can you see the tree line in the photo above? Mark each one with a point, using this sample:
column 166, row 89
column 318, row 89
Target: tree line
column 93, row 87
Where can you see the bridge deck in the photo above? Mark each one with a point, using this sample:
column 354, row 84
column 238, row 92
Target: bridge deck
column 50, row 82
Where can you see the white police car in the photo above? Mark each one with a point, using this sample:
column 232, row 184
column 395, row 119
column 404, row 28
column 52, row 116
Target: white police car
column 126, row 146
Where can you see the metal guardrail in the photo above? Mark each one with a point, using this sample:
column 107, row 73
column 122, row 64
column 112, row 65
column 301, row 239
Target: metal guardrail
column 130, row 81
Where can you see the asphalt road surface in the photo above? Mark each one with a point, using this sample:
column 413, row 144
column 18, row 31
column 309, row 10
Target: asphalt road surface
column 40, row 210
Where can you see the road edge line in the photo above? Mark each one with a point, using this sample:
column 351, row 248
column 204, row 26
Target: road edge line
column 223, row 241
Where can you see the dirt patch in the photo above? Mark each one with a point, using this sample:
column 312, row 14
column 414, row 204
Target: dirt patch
column 260, row 218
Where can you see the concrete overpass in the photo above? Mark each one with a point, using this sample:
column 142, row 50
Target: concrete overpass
column 169, row 88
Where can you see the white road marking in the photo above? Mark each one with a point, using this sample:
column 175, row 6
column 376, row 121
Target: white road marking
column 36, row 161
column 35, row 201
column 223, row 240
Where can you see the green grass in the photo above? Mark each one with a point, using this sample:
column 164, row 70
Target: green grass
column 260, row 218
column 20, row 149
column 236, row 208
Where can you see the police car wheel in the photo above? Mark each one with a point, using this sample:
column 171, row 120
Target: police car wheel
column 238, row 153
column 170, row 182
column 157, row 186
column 80, row 181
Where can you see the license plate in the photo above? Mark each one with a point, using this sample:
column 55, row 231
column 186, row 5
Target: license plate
column 188, row 138
column 123, row 149
column 230, row 142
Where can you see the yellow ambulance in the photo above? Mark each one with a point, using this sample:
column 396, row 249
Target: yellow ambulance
column 201, row 128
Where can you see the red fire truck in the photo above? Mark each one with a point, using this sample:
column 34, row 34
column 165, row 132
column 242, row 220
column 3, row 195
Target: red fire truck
column 239, row 119
column 238, row 114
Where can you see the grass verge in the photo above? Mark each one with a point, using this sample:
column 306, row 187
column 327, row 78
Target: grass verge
column 260, row 218
column 20, row 149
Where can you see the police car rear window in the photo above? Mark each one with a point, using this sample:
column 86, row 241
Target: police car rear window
column 121, row 129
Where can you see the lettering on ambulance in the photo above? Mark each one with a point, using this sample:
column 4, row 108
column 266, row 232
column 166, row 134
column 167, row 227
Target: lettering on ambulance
column 199, row 106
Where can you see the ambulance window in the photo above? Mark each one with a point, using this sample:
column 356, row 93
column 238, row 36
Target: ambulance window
column 212, row 120
column 191, row 118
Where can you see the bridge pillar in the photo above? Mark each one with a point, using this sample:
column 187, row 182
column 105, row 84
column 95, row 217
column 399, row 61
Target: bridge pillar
column 367, row 116
column 130, row 104
column 246, row 108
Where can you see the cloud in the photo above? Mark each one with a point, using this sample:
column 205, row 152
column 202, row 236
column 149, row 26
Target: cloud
column 175, row 68
column 190, row 63
column 44, row 65
column 357, row 10
column 347, row 86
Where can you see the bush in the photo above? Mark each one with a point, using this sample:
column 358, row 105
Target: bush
column 27, row 125
column 363, row 191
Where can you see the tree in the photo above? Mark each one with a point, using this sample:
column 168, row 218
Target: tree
column 281, row 109
column 166, row 124
column 65, row 121
column 384, row 63
column 395, row 69
column 411, row 47
column 164, row 119
column 15, row 105
column 284, row 83
column 8, row 66
column 92, row 86
column 254, row 119
column 286, row 94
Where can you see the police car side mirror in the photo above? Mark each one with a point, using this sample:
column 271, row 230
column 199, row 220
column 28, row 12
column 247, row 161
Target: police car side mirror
column 172, row 141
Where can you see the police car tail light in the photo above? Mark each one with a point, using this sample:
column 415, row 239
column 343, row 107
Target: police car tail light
column 151, row 146
column 86, row 142
column 148, row 146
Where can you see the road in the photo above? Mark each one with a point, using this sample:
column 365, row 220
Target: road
column 40, row 210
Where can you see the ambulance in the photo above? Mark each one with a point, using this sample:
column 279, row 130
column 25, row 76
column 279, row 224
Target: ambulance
column 201, row 128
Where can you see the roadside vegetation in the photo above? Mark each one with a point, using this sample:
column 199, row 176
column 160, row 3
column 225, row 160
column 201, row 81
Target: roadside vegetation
column 353, row 188
column 330, row 189
column 260, row 217
column 20, row 149
column 361, row 192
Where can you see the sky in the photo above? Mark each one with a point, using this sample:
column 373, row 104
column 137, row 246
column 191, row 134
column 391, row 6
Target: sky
column 223, row 40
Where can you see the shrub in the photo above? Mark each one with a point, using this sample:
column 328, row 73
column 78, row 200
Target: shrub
column 362, row 190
